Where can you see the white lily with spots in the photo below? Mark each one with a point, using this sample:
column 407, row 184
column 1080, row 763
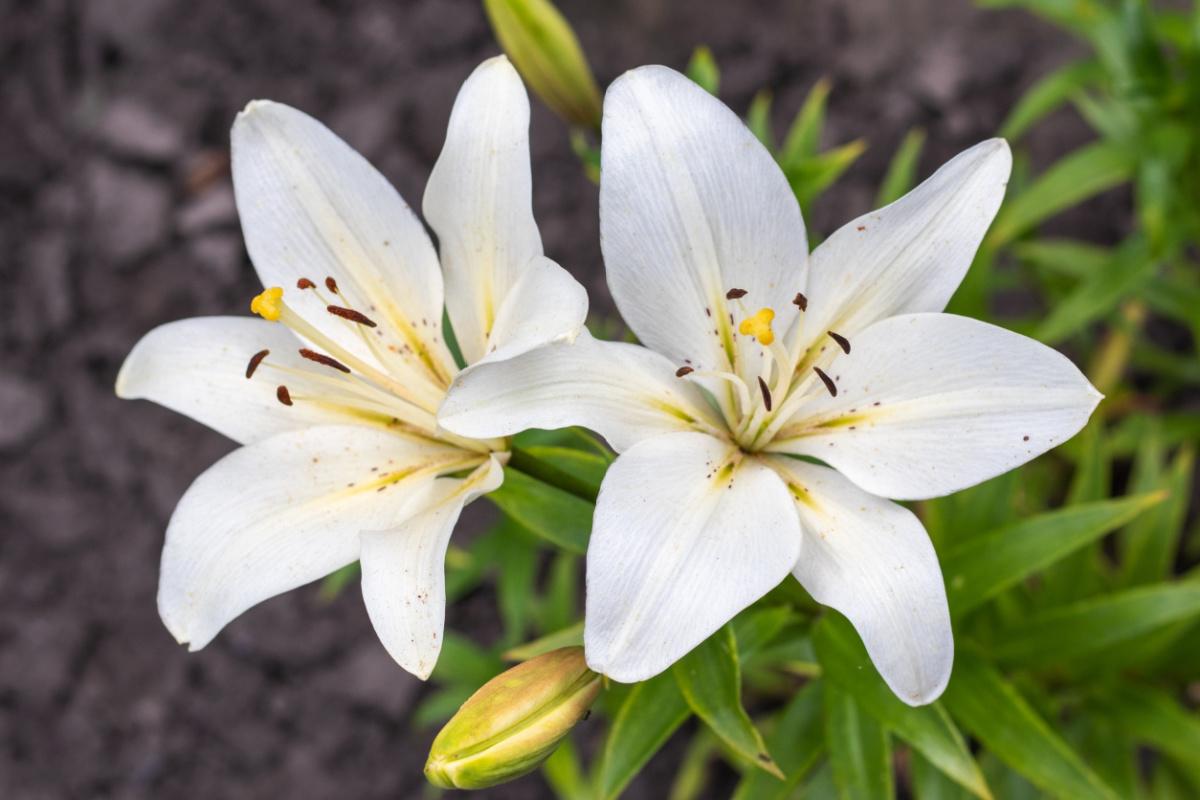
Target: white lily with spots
column 780, row 395
column 333, row 394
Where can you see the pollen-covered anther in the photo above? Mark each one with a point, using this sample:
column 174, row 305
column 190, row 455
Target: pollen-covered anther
column 842, row 341
column 321, row 358
column 828, row 381
column 268, row 303
column 283, row 395
column 305, row 283
column 352, row 315
column 255, row 360
column 759, row 326
column 735, row 294
column 766, row 393
column 679, row 373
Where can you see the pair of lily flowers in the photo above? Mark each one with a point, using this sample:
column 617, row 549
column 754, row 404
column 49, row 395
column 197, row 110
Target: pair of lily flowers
column 778, row 397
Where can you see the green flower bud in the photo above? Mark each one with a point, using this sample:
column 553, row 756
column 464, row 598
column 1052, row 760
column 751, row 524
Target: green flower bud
column 513, row 722
column 541, row 44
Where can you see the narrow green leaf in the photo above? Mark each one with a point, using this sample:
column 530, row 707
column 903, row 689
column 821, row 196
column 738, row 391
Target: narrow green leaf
column 755, row 628
column 758, row 119
column 809, row 177
column 569, row 468
column 1086, row 172
column 558, row 607
column 930, row 783
column 804, row 137
column 702, row 68
column 564, row 773
column 1152, row 716
column 1150, row 544
column 710, row 679
column 799, row 739
column 650, row 713
column 993, row 711
column 566, row 637
column 928, row 729
column 1075, row 631
column 859, row 749
column 516, row 582
column 464, row 662
column 1048, row 94
column 691, row 778
column 559, row 517
column 1064, row 256
column 986, row 565
column 1099, row 293
column 901, row 173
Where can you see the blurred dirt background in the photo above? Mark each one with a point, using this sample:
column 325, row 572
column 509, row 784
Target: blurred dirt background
column 117, row 214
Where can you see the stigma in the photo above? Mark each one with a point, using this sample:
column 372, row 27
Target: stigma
column 758, row 326
column 268, row 304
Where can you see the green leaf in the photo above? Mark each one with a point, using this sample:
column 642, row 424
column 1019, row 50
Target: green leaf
column 559, row 517
column 755, row 628
column 902, row 171
column 758, row 119
column 1153, row 717
column 809, row 177
column 333, row 584
column 1150, row 544
column 440, row 705
column 930, row 783
column 994, row 712
column 464, row 662
column 703, row 70
column 799, row 739
column 566, row 637
column 576, row 471
column 516, row 581
column 691, row 778
column 1099, row 293
column 986, row 565
column 710, row 679
column 1086, row 172
column 1075, row 631
column 564, row 773
column 859, row 749
column 928, row 729
column 804, row 137
column 1064, row 256
column 558, row 607
column 1048, row 94
column 646, row 718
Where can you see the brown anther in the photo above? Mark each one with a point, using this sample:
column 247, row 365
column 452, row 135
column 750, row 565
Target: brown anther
column 766, row 393
column 255, row 360
column 331, row 284
column 734, row 294
column 842, row 341
column 800, row 301
column 283, row 395
column 305, row 283
column 829, row 384
column 321, row 358
column 679, row 373
column 352, row 315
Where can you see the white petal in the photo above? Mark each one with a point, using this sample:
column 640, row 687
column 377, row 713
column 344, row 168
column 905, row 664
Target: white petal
column 687, row 533
column 691, row 206
column 312, row 207
column 622, row 391
column 279, row 513
column 872, row 560
column 479, row 201
column 932, row 403
column 545, row 305
column 909, row 256
column 198, row 366
column 404, row 570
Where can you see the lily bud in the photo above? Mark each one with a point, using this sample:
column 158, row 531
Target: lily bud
column 544, row 49
column 513, row 722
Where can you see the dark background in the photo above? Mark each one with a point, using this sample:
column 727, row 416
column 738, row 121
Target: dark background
column 117, row 214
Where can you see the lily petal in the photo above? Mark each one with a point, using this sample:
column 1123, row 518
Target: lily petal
column 404, row 570
column 622, row 391
column 545, row 305
column 687, row 533
column 479, row 201
column 197, row 367
column 929, row 404
column 872, row 560
column 691, row 206
column 312, row 207
column 911, row 255
column 282, row 512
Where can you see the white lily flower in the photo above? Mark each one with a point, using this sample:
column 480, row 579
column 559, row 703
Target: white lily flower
column 334, row 393
column 720, row 422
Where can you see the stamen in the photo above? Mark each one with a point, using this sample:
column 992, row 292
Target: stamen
column 331, row 284
column 352, row 315
column 268, row 304
column 735, row 294
column 842, row 341
column 825, row 379
column 255, row 360
column 800, row 301
column 679, row 373
column 321, row 358
column 305, row 283
column 759, row 326
column 766, row 393
column 283, row 395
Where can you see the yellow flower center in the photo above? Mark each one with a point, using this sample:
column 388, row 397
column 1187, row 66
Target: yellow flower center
column 759, row 326
column 268, row 304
